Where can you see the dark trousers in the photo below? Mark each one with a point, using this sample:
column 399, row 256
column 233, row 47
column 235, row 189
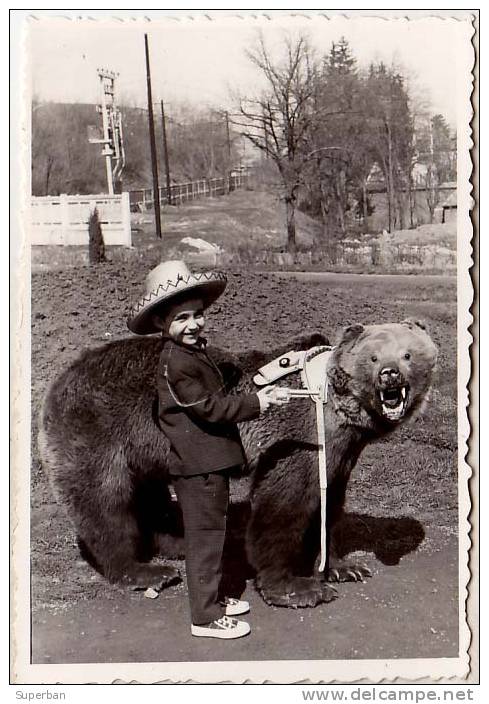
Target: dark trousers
column 204, row 500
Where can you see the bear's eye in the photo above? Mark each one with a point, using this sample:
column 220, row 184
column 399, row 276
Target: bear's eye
column 407, row 356
column 374, row 358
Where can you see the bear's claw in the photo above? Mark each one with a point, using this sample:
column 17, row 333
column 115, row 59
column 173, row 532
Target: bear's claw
column 356, row 572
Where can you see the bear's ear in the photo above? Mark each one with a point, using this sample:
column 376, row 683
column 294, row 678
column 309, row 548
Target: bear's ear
column 351, row 333
column 305, row 342
column 412, row 323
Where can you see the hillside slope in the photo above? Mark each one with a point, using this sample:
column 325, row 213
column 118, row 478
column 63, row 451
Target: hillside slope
column 243, row 219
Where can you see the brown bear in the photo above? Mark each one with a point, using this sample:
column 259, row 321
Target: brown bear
column 106, row 457
column 378, row 377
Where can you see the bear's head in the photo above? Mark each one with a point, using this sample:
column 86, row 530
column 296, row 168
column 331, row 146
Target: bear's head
column 386, row 369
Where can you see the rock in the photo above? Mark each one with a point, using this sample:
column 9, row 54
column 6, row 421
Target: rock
column 151, row 593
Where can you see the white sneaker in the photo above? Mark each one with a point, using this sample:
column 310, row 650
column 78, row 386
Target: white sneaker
column 223, row 627
column 235, row 607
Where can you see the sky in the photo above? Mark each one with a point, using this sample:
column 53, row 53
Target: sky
column 203, row 61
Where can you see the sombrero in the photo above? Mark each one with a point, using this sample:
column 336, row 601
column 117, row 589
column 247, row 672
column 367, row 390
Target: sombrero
column 167, row 283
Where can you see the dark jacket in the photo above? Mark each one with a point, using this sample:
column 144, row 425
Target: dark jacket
column 195, row 413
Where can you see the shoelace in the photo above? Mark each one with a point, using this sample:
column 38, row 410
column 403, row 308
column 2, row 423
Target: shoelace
column 226, row 622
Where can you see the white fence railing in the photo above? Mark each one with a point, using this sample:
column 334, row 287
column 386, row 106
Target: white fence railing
column 142, row 198
column 64, row 219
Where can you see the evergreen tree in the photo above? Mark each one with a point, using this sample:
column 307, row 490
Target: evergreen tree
column 444, row 153
column 341, row 164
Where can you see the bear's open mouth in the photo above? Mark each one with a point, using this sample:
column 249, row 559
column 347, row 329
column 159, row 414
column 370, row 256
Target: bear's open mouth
column 393, row 402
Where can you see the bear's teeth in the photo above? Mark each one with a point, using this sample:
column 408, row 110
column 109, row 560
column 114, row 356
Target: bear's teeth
column 403, row 391
column 392, row 414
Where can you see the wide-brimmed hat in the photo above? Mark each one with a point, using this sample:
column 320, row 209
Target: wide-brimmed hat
column 165, row 285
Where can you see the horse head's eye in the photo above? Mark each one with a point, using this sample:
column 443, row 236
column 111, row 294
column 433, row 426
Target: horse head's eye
column 374, row 358
column 407, row 356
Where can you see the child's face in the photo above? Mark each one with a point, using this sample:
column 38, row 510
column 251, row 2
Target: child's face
column 185, row 322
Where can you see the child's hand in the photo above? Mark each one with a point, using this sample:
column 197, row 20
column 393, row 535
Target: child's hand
column 271, row 396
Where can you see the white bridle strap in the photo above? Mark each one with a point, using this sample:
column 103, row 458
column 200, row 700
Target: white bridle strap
column 315, row 379
column 313, row 366
column 323, row 477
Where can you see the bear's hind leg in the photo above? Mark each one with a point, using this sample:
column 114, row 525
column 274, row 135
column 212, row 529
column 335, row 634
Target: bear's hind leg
column 113, row 550
column 158, row 518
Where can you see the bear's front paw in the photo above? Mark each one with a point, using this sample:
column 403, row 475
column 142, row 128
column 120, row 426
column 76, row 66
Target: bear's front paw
column 298, row 593
column 340, row 571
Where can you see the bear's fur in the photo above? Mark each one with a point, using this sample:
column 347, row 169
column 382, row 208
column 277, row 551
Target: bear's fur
column 106, row 457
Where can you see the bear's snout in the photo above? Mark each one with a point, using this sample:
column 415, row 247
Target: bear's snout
column 390, row 375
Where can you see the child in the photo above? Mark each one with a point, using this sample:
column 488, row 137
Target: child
column 199, row 420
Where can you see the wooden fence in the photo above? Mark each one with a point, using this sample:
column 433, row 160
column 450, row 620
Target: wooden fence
column 64, row 219
column 142, row 199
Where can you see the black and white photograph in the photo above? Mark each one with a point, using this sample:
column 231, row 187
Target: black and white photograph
column 242, row 412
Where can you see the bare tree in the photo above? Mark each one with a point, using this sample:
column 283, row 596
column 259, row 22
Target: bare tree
column 200, row 142
column 389, row 118
column 431, row 190
column 434, row 152
column 62, row 159
column 44, row 150
column 279, row 122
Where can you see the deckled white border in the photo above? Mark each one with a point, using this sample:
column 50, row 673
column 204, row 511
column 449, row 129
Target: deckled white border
column 373, row 671
column 465, row 296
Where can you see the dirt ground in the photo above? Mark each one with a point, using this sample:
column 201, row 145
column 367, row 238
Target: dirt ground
column 404, row 612
column 402, row 500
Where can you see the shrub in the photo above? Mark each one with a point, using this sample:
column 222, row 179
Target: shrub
column 96, row 245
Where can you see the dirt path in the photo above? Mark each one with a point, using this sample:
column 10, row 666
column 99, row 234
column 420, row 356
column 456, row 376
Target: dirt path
column 405, row 611
column 342, row 278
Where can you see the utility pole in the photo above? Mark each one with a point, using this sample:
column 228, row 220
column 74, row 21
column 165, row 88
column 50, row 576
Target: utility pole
column 165, row 150
column 431, row 194
column 228, row 141
column 265, row 134
column 152, row 142
column 107, row 151
column 112, row 130
column 228, row 138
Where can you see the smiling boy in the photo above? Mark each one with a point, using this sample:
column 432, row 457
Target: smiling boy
column 199, row 419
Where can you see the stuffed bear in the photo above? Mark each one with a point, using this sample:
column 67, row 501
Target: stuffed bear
column 106, row 457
